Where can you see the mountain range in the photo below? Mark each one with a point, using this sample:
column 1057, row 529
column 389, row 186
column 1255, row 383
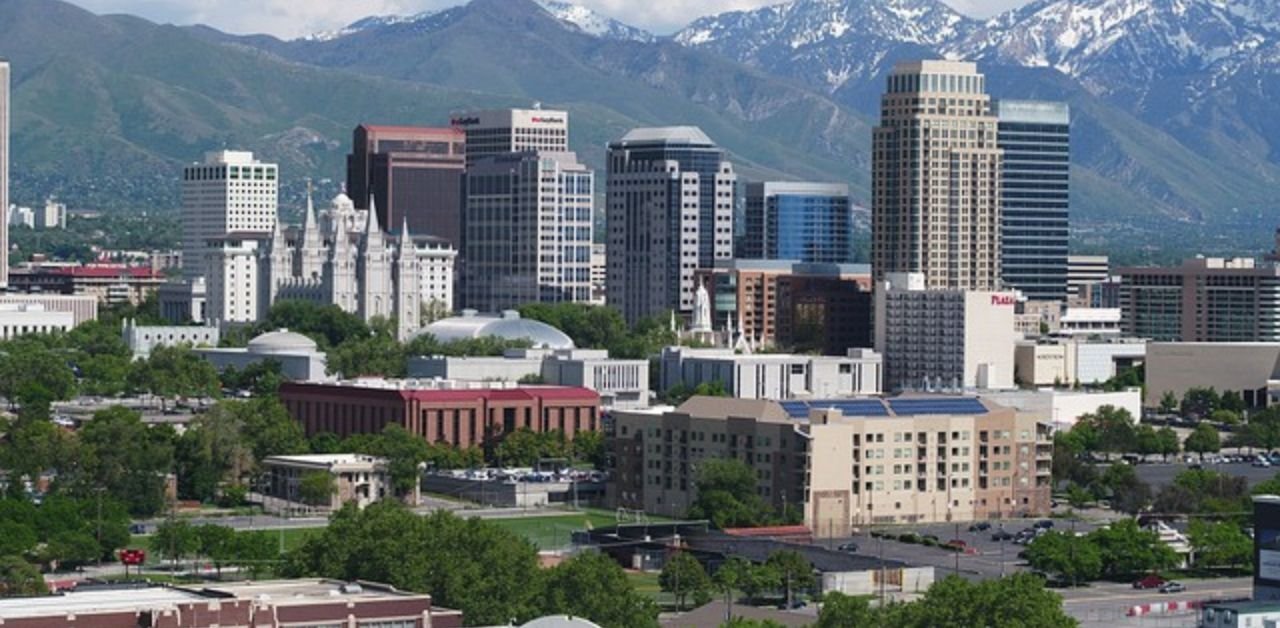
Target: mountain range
column 1174, row 139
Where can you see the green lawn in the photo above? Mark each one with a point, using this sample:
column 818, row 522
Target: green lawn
column 554, row 531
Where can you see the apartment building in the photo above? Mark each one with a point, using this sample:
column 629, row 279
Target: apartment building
column 847, row 463
column 944, row 339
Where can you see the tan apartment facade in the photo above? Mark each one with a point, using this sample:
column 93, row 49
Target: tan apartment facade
column 847, row 463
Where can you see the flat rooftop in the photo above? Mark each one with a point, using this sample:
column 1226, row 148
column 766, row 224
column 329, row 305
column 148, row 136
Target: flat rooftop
column 327, row 459
column 97, row 601
column 283, row 592
column 131, row 598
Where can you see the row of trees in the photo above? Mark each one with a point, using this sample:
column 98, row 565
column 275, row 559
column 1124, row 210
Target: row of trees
column 1123, row 551
column 255, row 551
column 604, row 328
column 485, row 570
column 784, row 571
column 1205, row 403
column 1119, row 552
column 727, row 497
column 1019, row 601
column 115, row 453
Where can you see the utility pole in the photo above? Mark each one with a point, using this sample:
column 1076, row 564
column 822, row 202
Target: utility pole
column 958, row 549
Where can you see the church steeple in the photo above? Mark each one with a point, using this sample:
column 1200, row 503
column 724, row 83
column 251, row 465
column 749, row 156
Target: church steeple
column 408, row 286
column 372, row 240
column 311, row 252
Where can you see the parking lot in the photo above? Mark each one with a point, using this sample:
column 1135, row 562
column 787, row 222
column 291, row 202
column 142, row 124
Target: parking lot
column 984, row 559
column 1161, row 474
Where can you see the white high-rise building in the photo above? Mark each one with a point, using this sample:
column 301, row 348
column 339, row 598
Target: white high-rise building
column 938, row 340
column 4, row 173
column 437, row 259
column 670, row 212
column 230, row 192
column 232, row 271
column 527, row 230
column 504, row 131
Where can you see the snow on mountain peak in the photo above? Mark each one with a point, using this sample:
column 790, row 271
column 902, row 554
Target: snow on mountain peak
column 593, row 23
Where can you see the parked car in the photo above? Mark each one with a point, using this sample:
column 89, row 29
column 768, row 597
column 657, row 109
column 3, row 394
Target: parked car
column 958, row 545
column 1150, row 581
column 981, row 526
column 1001, row 535
column 1261, row 462
column 1044, row 524
column 797, row 603
column 1172, row 587
column 849, row 547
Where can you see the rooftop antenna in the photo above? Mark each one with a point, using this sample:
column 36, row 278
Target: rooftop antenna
column 537, row 105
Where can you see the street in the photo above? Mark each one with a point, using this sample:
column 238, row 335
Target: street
column 1106, row 604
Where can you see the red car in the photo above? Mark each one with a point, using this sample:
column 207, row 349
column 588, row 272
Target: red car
column 957, row 544
column 1150, row 581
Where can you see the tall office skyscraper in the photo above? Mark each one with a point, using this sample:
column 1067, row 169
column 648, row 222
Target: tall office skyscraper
column 410, row 173
column 505, row 131
column 527, row 230
column 4, row 173
column 1035, row 197
column 805, row 222
column 229, row 193
column 669, row 209
column 936, row 178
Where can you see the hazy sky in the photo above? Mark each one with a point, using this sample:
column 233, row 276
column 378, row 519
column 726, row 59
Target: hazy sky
column 291, row 18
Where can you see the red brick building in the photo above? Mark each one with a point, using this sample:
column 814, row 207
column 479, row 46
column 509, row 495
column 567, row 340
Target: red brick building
column 274, row 603
column 461, row 418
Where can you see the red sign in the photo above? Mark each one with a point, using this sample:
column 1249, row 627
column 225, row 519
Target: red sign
column 133, row 556
column 1003, row 299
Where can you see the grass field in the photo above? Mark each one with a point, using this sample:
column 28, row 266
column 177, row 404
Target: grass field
column 555, row 531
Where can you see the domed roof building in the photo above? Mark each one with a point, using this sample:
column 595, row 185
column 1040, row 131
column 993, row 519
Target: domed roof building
column 299, row 357
column 505, row 326
column 281, row 342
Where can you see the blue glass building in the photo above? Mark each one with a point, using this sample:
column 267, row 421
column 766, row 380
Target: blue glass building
column 805, row 222
column 1035, row 197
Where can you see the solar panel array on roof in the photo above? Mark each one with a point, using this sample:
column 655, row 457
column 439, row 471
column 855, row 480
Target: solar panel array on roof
column 847, row 407
column 954, row 405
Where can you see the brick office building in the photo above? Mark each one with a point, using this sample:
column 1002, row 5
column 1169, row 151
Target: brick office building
column 460, row 417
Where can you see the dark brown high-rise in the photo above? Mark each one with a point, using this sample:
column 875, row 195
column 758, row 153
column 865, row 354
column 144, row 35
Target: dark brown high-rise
column 412, row 173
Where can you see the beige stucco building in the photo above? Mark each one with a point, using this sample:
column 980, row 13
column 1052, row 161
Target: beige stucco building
column 845, row 463
column 1251, row 369
column 357, row 478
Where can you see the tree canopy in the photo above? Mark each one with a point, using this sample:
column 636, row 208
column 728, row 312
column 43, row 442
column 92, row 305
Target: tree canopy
column 473, row 565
